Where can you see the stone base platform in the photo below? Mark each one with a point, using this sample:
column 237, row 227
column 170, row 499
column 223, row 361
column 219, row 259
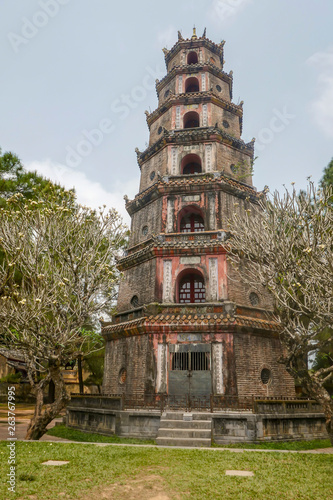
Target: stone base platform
column 226, row 426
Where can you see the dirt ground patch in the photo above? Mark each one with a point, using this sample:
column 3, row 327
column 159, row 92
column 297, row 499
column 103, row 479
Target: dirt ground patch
column 144, row 486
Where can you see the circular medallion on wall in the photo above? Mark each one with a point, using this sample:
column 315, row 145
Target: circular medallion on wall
column 167, row 93
column 254, row 299
column 122, row 376
column 265, row 376
column 225, row 124
column 218, row 88
column 152, row 175
column 145, row 230
column 160, row 130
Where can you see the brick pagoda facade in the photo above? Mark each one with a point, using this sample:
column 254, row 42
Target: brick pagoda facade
column 186, row 324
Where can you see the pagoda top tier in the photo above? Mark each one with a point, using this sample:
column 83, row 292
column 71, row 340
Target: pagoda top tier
column 194, row 42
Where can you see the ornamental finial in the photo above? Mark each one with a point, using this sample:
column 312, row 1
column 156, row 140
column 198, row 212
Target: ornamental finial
column 194, row 36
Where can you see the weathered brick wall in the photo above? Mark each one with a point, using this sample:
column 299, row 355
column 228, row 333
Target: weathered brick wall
column 227, row 156
column 239, row 291
column 252, row 354
column 215, row 82
column 149, row 216
column 169, row 88
column 228, row 205
column 134, row 354
column 157, row 163
column 140, row 281
column 156, row 128
column 226, row 120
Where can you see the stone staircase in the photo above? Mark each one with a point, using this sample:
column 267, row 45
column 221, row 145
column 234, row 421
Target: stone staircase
column 185, row 429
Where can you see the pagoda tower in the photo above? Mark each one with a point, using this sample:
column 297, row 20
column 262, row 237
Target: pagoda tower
column 186, row 324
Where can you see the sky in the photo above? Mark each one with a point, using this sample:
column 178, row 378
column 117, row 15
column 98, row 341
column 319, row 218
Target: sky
column 78, row 75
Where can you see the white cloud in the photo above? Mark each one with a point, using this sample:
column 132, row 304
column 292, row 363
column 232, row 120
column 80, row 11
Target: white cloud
column 322, row 106
column 89, row 193
column 221, row 10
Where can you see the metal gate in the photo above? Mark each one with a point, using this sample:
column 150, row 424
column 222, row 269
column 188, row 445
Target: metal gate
column 190, row 370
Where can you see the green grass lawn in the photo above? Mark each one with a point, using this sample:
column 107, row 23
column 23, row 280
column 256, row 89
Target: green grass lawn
column 184, row 474
column 283, row 445
column 89, row 437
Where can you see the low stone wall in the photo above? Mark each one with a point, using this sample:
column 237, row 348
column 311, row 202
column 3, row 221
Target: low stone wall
column 135, row 424
column 105, row 415
column 233, row 428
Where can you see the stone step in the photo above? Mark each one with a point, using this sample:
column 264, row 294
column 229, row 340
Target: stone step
column 172, row 415
column 186, row 416
column 185, row 433
column 185, row 424
column 185, row 442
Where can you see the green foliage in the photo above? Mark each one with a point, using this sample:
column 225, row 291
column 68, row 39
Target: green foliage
column 12, row 378
column 15, row 179
column 94, row 363
column 327, row 178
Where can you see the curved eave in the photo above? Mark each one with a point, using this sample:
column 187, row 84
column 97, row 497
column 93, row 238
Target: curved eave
column 199, row 134
column 194, row 98
column 182, row 185
column 194, row 68
column 216, row 323
column 171, row 249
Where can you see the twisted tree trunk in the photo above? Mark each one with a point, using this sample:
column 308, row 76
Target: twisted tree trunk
column 43, row 415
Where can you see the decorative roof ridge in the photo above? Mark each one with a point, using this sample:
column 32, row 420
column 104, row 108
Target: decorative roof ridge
column 204, row 93
column 132, row 323
column 148, row 251
column 193, row 319
column 183, row 42
column 169, row 136
column 180, row 68
column 199, row 179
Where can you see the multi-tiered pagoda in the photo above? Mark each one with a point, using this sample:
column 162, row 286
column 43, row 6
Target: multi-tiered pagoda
column 186, row 323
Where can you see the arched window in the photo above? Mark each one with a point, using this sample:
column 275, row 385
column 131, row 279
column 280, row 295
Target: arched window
column 192, row 289
column 192, row 58
column 135, row 301
column 191, row 164
column 190, row 220
column 192, row 223
column 192, row 85
column 191, row 120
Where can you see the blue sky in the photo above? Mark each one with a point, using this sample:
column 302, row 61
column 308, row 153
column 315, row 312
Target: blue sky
column 84, row 70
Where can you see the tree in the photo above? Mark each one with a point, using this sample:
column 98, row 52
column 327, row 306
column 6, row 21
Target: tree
column 65, row 256
column 327, row 178
column 285, row 244
column 94, row 362
column 15, row 179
